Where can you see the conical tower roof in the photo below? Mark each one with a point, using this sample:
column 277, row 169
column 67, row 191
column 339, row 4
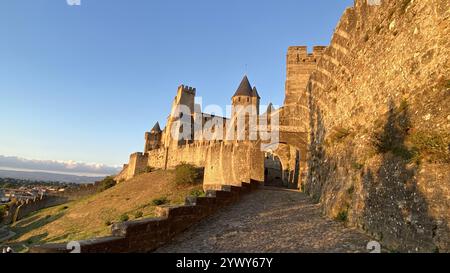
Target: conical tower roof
column 244, row 89
column 156, row 128
column 255, row 93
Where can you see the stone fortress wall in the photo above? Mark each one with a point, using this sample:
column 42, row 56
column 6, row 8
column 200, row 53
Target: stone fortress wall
column 378, row 98
column 19, row 210
column 222, row 162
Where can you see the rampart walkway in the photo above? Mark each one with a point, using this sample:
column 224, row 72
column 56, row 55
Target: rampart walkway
column 269, row 221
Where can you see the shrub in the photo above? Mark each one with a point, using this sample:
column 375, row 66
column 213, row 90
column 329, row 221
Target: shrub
column 124, row 217
column 342, row 216
column 160, row 201
column 186, row 174
column 197, row 193
column 107, row 183
column 138, row 214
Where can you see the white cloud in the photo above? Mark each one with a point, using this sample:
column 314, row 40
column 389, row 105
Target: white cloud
column 57, row 166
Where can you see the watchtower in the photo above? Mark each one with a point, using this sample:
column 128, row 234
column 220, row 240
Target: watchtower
column 245, row 111
column 153, row 138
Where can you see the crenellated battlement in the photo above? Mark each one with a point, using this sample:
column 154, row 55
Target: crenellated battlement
column 300, row 54
column 187, row 89
column 300, row 65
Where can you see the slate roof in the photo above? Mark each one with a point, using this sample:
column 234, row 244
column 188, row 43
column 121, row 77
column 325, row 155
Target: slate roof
column 156, row 128
column 244, row 89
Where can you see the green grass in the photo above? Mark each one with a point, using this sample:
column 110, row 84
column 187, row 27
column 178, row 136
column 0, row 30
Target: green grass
column 124, row 217
column 63, row 208
column 160, row 201
column 433, row 145
column 138, row 214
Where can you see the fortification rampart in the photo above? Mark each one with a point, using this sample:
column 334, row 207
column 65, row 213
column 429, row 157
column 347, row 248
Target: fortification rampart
column 20, row 209
column 150, row 234
column 380, row 93
column 232, row 162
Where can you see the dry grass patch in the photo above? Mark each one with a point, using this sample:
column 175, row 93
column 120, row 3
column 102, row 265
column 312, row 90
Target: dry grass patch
column 92, row 216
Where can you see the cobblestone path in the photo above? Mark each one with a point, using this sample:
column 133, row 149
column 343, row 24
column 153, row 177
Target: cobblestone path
column 269, row 221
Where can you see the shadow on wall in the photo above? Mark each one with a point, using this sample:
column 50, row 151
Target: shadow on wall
column 384, row 197
column 319, row 167
column 396, row 211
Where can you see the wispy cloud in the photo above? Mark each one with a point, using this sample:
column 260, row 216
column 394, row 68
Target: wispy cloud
column 57, row 166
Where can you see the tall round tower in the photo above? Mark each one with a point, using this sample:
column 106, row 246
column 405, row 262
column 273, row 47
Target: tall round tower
column 245, row 111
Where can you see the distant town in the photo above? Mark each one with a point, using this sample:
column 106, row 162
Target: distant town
column 22, row 189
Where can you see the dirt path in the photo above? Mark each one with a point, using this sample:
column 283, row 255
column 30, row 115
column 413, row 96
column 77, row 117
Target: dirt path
column 269, row 221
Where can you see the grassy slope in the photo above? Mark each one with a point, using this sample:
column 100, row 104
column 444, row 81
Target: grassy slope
column 88, row 217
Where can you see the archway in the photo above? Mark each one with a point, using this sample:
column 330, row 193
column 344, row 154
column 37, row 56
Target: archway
column 273, row 171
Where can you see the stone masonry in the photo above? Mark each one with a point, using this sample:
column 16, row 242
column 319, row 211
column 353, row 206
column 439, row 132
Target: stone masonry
column 364, row 129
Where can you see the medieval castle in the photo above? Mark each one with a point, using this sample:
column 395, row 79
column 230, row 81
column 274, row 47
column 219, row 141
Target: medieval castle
column 233, row 149
column 354, row 131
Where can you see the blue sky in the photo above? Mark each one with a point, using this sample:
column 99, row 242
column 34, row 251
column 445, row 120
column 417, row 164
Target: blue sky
column 83, row 83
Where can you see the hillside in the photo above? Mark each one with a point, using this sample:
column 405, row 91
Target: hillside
column 92, row 216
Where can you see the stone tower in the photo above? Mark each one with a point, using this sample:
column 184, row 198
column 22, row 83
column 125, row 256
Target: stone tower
column 245, row 111
column 300, row 65
column 153, row 138
column 184, row 101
